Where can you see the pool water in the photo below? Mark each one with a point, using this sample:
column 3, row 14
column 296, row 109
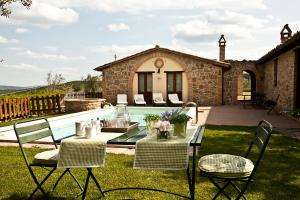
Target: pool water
column 137, row 114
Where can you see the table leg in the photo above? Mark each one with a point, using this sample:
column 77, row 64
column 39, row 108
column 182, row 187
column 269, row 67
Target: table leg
column 86, row 183
column 193, row 174
column 95, row 180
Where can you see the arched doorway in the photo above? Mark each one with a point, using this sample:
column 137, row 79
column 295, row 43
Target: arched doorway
column 246, row 85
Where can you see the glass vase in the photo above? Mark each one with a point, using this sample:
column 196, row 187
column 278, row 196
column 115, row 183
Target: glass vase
column 180, row 129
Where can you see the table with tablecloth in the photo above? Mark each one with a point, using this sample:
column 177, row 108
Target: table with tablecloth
column 171, row 154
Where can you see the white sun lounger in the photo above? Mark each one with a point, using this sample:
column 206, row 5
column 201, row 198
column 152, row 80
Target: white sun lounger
column 139, row 99
column 174, row 99
column 122, row 99
column 158, row 98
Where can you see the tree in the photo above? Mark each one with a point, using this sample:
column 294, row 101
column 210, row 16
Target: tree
column 92, row 83
column 5, row 11
column 54, row 81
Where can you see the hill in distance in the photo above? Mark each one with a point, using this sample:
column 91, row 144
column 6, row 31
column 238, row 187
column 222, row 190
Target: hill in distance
column 8, row 87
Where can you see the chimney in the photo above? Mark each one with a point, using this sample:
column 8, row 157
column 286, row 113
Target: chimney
column 285, row 33
column 222, row 44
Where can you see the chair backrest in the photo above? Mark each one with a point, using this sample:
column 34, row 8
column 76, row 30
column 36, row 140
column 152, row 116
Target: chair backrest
column 157, row 97
column 32, row 130
column 138, row 97
column 173, row 97
column 122, row 98
column 261, row 139
column 277, row 98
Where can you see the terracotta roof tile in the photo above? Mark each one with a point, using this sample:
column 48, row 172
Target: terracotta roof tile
column 281, row 48
column 157, row 48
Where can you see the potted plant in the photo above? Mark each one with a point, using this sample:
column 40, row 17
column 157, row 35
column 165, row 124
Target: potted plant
column 179, row 120
column 151, row 120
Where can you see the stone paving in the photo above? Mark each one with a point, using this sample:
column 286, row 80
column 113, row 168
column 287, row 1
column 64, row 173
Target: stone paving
column 249, row 116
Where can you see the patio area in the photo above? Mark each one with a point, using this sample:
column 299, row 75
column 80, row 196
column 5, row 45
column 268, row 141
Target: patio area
column 238, row 116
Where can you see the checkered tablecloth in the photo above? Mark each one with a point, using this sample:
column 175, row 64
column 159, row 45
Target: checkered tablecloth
column 171, row 154
column 81, row 152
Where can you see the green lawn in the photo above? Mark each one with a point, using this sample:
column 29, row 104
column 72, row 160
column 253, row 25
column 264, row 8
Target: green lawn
column 278, row 176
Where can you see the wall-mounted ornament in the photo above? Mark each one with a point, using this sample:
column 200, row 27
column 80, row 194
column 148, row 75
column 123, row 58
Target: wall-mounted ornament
column 159, row 63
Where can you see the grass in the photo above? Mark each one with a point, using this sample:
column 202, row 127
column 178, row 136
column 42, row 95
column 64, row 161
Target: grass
column 278, row 176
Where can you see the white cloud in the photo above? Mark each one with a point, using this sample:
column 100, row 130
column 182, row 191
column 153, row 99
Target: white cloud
column 47, row 13
column 41, row 14
column 47, row 56
column 22, row 66
column 16, row 48
column 51, row 48
column 21, row 30
column 210, row 25
column 120, row 50
column 65, row 70
column 5, row 40
column 117, row 27
column 138, row 6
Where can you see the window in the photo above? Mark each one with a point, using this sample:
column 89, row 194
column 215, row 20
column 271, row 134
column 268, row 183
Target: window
column 275, row 72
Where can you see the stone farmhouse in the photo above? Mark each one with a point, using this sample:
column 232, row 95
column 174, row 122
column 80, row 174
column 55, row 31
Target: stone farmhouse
column 205, row 81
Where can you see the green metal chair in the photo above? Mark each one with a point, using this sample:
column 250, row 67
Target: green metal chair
column 29, row 131
column 225, row 170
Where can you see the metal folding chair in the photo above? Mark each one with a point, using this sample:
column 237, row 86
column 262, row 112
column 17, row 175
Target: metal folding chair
column 29, row 131
column 270, row 104
column 225, row 170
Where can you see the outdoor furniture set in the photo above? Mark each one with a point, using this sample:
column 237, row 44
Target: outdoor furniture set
column 259, row 100
column 172, row 155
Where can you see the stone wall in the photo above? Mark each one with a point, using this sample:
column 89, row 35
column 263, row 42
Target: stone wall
column 115, row 81
column 204, row 78
column 206, row 83
column 231, row 79
column 285, row 80
column 78, row 105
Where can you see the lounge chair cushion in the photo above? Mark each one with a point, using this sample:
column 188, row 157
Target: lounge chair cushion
column 122, row 102
column 140, row 99
column 226, row 166
column 46, row 157
column 158, row 99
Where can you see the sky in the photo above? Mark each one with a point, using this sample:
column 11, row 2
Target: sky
column 72, row 37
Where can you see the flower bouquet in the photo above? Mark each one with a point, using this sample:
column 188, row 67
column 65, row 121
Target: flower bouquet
column 151, row 120
column 170, row 123
column 164, row 130
column 179, row 120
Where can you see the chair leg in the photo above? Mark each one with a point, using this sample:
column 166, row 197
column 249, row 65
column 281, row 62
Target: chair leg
column 241, row 194
column 39, row 185
column 238, row 189
column 221, row 190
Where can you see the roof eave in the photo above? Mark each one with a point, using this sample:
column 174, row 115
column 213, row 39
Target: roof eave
column 214, row 62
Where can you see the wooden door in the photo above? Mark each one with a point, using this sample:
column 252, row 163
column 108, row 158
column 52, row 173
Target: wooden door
column 145, row 85
column 297, row 78
column 174, row 83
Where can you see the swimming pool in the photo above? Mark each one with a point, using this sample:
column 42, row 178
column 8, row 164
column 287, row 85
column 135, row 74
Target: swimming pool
column 137, row 114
